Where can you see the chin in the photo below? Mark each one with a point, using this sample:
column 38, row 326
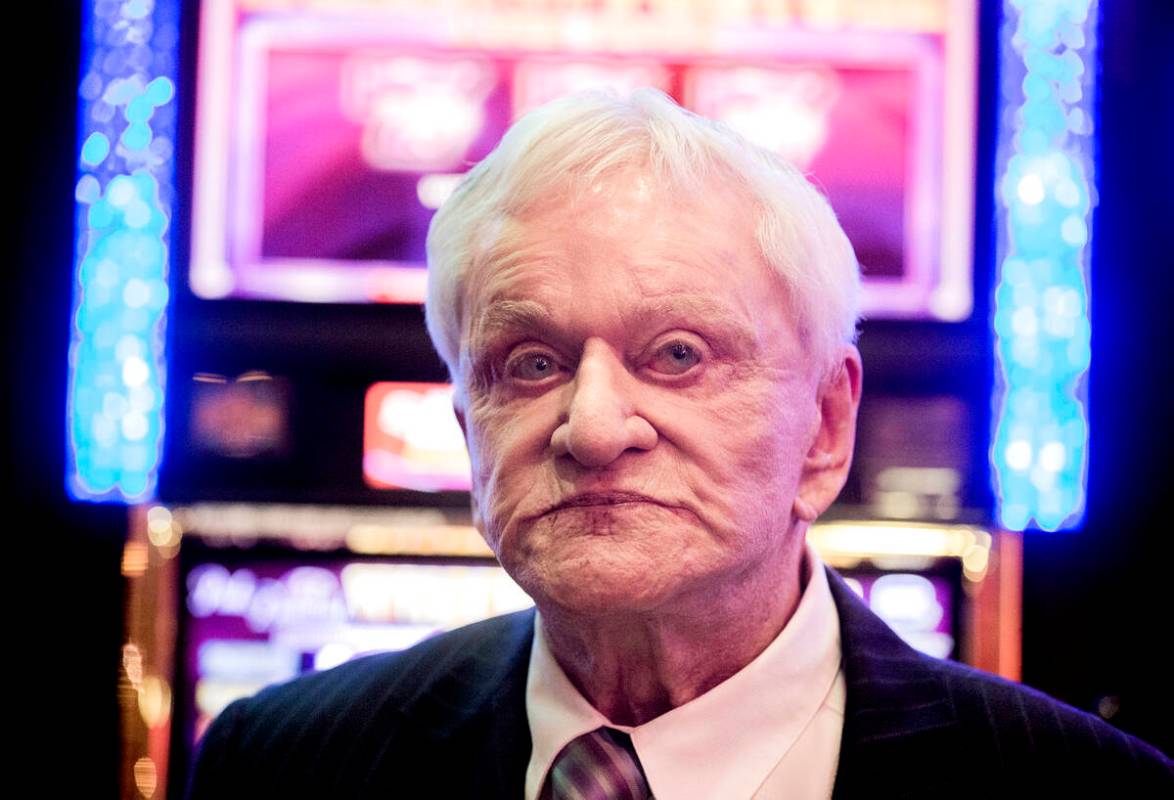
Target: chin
column 594, row 602
column 607, row 560
column 593, row 589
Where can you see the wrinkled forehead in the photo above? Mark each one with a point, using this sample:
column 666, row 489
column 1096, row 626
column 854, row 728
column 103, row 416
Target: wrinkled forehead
column 581, row 215
column 617, row 199
column 618, row 203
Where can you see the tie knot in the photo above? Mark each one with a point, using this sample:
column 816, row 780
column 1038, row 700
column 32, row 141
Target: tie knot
column 600, row 765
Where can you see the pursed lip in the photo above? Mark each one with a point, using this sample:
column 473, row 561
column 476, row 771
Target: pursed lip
column 610, row 498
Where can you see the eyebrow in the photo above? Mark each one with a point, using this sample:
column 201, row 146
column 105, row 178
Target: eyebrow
column 738, row 332
column 686, row 307
column 530, row 316
column 509, row 315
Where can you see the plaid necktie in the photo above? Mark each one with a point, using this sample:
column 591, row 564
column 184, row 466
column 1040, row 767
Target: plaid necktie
column 600, row 765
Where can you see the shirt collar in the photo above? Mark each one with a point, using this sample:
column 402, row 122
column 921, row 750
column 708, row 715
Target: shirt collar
column 747, row 723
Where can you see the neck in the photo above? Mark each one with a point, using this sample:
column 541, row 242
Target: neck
column 634, row 665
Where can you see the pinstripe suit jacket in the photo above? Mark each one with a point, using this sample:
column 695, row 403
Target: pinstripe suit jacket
column 447, row 719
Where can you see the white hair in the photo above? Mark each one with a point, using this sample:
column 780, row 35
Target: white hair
column 572, row 141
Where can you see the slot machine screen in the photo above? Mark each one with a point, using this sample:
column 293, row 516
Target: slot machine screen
column 328, row 133
column 250, row 620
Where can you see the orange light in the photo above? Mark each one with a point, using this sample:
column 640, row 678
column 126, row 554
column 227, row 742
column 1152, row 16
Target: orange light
column 134, row 559
column 154, row 701
column 146, row 777
column 132, row 663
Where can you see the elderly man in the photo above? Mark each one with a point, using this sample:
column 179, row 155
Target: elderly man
column 649, row 324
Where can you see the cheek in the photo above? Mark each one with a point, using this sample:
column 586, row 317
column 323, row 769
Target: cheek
column 746, row 449
column 785, row 432
column 506, row 452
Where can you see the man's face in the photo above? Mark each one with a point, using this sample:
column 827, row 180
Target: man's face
column 636, row 400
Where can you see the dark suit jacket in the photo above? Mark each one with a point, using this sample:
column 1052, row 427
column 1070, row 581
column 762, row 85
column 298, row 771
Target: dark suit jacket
column 447, row 719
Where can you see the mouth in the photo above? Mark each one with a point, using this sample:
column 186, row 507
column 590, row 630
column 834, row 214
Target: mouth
column 598, row 499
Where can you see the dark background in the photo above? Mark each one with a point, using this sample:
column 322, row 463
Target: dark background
column 1096, row 601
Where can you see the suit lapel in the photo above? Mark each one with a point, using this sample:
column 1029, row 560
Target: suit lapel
column 901, row 735
column 476, row 715
column 499, row 733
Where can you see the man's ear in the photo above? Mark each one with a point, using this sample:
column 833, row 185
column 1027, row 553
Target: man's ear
column 458, row 410
column 825, row 467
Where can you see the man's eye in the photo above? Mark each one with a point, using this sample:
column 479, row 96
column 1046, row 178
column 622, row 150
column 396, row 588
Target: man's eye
column 533, row 366
column 675, row 358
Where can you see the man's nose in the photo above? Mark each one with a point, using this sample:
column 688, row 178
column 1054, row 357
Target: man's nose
column 600, row 421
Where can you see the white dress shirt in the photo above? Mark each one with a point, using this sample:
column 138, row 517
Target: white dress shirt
column 771, row 730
